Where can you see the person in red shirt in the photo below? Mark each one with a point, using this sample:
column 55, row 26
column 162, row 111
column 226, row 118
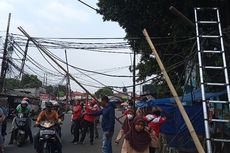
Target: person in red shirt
column 88, row 120
column 155, row 120
column 76, row 119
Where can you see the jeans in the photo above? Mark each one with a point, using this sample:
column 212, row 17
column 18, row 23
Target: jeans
column 107, row 142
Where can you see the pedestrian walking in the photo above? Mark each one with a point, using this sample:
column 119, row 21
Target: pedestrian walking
column 126, row 126
column 137, row 140
column 107, row 123
column 76, row 120
column 155, row 120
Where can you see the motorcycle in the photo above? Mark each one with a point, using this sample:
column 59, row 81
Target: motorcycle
column 21, row 122
column 48, row 137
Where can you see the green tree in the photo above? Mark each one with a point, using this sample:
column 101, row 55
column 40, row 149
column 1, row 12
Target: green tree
column 173, row 38
column 105, row 91
column 58, row 91
column 50, row 89
column 30, row 81
column 12, row 83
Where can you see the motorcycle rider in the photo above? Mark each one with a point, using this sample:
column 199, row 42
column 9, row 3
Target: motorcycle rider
column 46, row 115
column 25, row 110
column 56, row 107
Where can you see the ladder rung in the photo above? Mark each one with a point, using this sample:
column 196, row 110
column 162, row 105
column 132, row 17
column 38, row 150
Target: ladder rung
column 209, row 36
column 221, row 140
column 207, row 22
column 212, row 51
column 216, row 84
column 218, row 101
column 214, row 67
column 220, row 120
column 206, row 8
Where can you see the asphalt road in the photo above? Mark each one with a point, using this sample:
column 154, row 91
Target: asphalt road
column 68, row 147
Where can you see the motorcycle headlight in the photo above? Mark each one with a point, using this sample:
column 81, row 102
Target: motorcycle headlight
column 47, row 136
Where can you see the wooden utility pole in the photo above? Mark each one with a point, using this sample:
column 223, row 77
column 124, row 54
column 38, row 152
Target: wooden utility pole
column 68, row 89
column 4, row 60
column 175, row 95
column 134, row 78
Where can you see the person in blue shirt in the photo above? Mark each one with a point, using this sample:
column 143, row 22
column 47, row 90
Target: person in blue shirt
column 107, row 123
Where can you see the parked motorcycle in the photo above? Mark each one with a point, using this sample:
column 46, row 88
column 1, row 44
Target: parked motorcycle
column 48, row 137
column 21, row 122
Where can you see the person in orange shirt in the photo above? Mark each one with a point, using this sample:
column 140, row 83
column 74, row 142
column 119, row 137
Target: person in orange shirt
column 46, row 115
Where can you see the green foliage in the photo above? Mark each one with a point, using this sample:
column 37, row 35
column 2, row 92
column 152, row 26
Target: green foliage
column 58, row 91
column 154, row 15
column 12, row 83
column 61, row 93
column 30, row 81
column 105, row 91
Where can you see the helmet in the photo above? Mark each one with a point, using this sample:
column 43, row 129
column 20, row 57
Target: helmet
column 24, row 103
column 49, row 105
column 55, row 104
column 25, row 99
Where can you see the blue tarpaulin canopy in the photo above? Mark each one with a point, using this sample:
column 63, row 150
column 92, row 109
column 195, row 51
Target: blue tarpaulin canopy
column 193, row 96
column 175, row 129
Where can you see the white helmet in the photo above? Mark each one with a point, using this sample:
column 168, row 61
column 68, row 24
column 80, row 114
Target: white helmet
column 24, row 102
column 55, row 104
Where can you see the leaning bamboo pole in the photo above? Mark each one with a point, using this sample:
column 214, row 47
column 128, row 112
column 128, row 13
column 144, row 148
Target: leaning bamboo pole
column 46, row 51
column 192, row 131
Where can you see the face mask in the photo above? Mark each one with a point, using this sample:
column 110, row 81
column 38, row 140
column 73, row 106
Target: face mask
column 129, row 116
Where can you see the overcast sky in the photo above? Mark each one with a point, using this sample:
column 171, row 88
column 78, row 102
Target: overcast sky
column 71, row 19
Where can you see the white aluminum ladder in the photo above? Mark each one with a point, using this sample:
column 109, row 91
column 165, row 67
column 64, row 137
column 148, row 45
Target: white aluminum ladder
column 210, row 44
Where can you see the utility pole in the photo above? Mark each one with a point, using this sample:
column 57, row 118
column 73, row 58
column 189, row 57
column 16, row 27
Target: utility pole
column 4, row 60
column 24, row 58
column 188, row 123
column 68, row 88
column 134, row 78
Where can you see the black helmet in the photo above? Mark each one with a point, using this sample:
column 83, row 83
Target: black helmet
column 49, row 105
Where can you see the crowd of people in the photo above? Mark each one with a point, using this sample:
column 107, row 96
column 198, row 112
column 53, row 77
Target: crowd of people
column 87, row 119
column 139, row 132
column 84, row 118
